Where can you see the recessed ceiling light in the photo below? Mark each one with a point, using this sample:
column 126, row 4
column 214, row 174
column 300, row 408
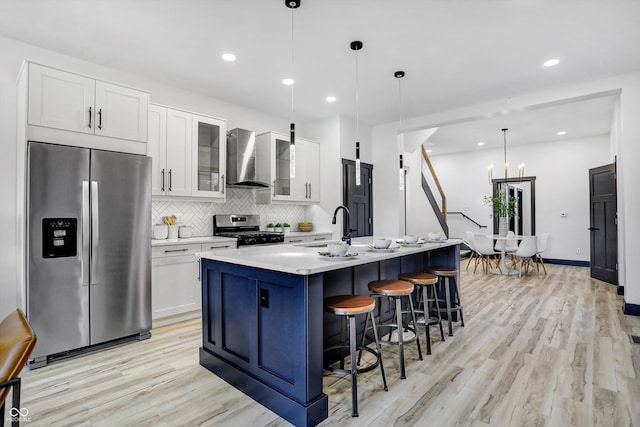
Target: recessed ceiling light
column 229, row 57
column 287, row 82
column 480, row 143
column 551, row 62
column 562, row 132
column 330, row 99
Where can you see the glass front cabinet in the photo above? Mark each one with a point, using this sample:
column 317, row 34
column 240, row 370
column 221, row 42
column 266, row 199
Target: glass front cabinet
column 209, row 137
column 300, row 184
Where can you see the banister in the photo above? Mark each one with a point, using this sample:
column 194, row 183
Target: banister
column 466, row 217
column 437, row 181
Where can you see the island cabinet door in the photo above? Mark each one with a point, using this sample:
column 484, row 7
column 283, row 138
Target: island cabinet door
column 269, row 324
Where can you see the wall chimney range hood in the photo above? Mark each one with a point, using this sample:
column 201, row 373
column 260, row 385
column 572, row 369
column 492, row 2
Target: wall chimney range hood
column 241, row 160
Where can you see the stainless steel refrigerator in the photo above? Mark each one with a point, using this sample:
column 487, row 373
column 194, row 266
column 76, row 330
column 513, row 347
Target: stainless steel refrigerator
column 88, row 248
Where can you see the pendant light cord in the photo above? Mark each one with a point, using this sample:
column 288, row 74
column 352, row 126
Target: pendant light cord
column 357, row 102
column 292, row 64
column 400, row 102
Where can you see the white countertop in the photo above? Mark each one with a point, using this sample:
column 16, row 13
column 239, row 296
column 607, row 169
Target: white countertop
column 184, row 241
column 305, row 233
column 296, row 258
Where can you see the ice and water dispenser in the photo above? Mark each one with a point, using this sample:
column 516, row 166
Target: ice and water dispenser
column 59, row 237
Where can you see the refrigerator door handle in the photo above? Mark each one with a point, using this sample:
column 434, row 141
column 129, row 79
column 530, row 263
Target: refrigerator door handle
column 84, row 270
column 94, row 233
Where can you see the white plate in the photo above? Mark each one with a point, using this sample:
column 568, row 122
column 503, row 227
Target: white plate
column 327, row 255
column 389, row 249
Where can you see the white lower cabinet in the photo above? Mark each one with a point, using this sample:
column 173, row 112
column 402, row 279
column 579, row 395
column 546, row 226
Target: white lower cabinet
column 176, row 294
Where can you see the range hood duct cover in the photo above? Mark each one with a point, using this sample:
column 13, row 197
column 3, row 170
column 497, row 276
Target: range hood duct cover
column 241, row 160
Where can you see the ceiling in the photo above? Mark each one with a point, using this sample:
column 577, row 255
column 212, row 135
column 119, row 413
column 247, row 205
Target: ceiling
column 577, row 118
column 455, row 53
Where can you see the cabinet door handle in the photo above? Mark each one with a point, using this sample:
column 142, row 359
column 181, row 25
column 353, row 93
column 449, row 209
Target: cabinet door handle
column 222, row 186
column 274, row 187
column 100, row 119
column 219, row 247
column 166, row 251
column 306, row 190
column 295, row 241
column 320, row 238
column 309, row 190
column 170, row 181
column 90, row 114
column 162, row 175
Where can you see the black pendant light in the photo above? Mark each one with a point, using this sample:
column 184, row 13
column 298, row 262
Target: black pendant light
column 292, row 4
column 356, row 46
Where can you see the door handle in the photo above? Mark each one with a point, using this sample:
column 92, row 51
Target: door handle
column 593, row 228
column 222, row 186
column 274, row 187
column 309, row 190
column 95, row 237
column 85, row 234
column 175, row 250
column 100, row 119
column 170, row 180
column 89, row 117
column 162, row 173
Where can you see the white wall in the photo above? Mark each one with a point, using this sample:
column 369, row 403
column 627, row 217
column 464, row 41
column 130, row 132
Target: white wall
column 627, row 150
column 12, row 53
column 562, row 185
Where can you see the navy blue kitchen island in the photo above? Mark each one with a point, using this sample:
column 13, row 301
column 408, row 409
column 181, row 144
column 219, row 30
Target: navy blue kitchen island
column 263, row 326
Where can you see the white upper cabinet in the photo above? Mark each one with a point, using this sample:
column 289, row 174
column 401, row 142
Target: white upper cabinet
column 67, row 101
column 189, row 153
column 274, row 167
column 209, row 157
column 121, row 112
column 170, row 149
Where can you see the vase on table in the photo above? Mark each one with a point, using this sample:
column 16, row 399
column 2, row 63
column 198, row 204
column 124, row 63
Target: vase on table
column 503, row 226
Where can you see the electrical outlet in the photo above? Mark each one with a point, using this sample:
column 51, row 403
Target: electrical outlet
column 578, row 251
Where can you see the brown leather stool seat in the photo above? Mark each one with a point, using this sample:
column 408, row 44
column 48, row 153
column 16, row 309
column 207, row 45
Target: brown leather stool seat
column 428, row 298
column 395, row 290
column 452, row 294
column 17, row 341
column 349, row 306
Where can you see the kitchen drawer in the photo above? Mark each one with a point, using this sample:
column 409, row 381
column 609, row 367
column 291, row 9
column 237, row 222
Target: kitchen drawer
column 176, row 250
column 218, row 245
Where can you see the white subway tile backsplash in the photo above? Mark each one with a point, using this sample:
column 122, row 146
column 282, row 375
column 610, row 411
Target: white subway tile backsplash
column 199, row 214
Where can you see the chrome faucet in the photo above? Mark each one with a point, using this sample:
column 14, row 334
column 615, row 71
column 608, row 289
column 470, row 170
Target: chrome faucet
column 347, row 237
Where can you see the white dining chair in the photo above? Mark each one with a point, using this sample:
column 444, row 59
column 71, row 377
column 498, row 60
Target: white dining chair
column 524, row 256
column 470, row 242
column 542, row 246
column 486, row 253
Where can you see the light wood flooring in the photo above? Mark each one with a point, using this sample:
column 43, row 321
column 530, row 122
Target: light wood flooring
column 548, row 352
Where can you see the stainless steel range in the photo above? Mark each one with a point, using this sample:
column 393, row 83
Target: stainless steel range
column 245, row 228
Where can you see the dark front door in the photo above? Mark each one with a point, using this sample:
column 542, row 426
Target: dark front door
column 358, row 197
column 604, row 228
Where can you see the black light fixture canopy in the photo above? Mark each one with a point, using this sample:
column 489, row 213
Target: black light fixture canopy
column 292, row 4
column 356, row 45
column 398, row 74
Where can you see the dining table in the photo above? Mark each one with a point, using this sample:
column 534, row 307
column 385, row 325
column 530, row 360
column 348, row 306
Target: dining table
column 504, row 268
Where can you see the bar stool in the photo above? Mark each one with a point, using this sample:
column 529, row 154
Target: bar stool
column 395, row 289
column 427, row 283
column 445, row 274
column 350, row 306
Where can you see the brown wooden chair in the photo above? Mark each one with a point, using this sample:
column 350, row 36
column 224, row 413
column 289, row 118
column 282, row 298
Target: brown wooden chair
column 17, row 341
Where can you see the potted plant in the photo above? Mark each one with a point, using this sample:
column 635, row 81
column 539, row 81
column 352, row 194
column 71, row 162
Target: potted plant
column 305, row 226
column 504, row 207
column 286, row 227
column 278, row 228
column 271, row 227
